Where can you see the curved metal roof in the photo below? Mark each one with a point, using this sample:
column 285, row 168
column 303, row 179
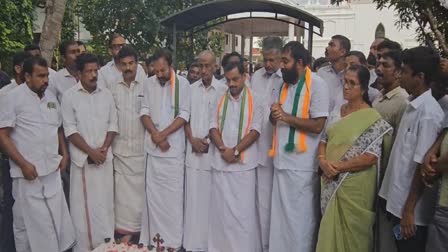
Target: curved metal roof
column 203, row 13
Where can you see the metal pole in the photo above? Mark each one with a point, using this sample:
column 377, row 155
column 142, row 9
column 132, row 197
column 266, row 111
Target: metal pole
column 174, row 45
column 310, row 39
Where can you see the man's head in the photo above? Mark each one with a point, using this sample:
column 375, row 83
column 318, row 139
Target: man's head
column 319, row 63
column 444, row 67
column 33, row 49
column 116, row 42
column 439, row 87
column 420, row 65
column 235, row 77
column 355, row 58
column 387, row 45
column 162, row 65
column 294, row 59
column 69, row 51
column 388, row 69
column 87, row 65
column 149, row 62
column 374, row 45
column 271, row 49
column 36, row 74
column 337, row 48
column 17, row 62
column 232, row 57
column 82, row 47
column 128, row 62
column 194, row 72
column 207, row 64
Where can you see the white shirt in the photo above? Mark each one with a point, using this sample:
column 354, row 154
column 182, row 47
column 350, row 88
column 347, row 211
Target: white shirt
column 419, row 128
column 264, row 85
column 6, row 89
column 157, row 104
column 61, row 82
column 35, row 123
column 91, row 115
column 443, row 102
column 305, row 161
column 128, row 101
column 201, row 100
column 109, row 74
column 373, row 92
column 335, row 83
column 230, row 133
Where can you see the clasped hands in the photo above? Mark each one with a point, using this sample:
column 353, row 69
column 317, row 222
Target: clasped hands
column 228, row 154
column 330, row 168
column 277, row 112
column 160, row 140
column 199, row 145
column 98, row 155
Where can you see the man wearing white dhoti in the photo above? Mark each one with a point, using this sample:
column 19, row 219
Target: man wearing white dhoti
column 90, row 124
column 198, row 158
column 165, row 110
column 235, row 125
column 299, row 114
column 30, row 135
column 129, row 155
column 264, row 82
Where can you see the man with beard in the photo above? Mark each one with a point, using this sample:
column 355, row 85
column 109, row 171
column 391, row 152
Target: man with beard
column 298, row 115
column 65, row 78
column 165, row 110
column 235, row 125
column 333, row 74
column 34, row 50
column 110, row 74
column 129, row 156
column 198, row 158
column 90, row 124
column 30, row 134
column 194, row 73
column 264, row 82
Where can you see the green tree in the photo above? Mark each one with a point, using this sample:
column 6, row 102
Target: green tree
column 430, row 15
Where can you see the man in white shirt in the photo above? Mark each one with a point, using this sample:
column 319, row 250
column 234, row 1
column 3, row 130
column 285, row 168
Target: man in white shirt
column 298, row 124
column 333, row 74
column 129, row 155
column 19, row 76
column 198, row 157
column 31, row 136
column 65, row 78
column 235, row 125
column 34, row 50
column 90, row 124
column 165, row 111
column 110, row 73
column 409, row 204
column 194, row 73
column 264, row 83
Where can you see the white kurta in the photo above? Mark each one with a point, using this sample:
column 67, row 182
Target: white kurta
column 163, row 210
column 91, row 115
column 110, row 75
column 233, row 222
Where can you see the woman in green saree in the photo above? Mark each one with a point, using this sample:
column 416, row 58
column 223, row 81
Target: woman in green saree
column 348, row 156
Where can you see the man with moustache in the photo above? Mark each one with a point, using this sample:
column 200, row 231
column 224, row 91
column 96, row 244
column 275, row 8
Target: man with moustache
column 194, row 73
column 264, row 83
column 90, row 124
column 165, row 110
column 333, row 74
column 198, row 158
column 31, row 135
column 129, row 155
column 298, row 114
column 35, row 51
column 19, row 76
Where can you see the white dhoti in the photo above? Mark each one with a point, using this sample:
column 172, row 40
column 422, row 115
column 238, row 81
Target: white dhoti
column 92, row 204
column 163, row 209
column 233, row 215
column 197, row 201
column 264, row 194
column 129, row 175
column 295, row 211
column 40, row 214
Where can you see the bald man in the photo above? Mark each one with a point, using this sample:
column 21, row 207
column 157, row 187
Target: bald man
column 198, row 159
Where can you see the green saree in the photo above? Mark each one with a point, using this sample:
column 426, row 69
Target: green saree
column 347, row 203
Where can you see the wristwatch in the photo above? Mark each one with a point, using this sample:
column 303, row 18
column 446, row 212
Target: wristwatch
column 236, row 153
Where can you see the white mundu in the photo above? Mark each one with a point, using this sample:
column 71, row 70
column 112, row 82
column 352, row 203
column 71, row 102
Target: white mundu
column 92, row 116
column 233, row 223
column 163, row 209
column 129, row 158
column 110, row 74
column 264, row 84
column 41, row 218
column 198, row 166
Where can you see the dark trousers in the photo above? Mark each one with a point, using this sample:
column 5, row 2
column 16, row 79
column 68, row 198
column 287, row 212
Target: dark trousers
column 416, row 243
column 6, row 229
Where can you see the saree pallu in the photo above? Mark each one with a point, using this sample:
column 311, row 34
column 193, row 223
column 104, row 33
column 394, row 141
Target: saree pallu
column 348, row 203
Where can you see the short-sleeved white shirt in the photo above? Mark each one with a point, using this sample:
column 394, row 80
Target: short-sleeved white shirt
column 158, row 105
column 60, row 82
column 230, row 133
column 91, row 115
column 201, row 100
column 6, row 89
column 35, row 123
column 419, row 128
column 109, row 74
column 335, row 84
column 443, row 102
column 319, row 106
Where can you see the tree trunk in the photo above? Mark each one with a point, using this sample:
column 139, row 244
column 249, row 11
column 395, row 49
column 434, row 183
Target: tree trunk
column 51, row 30
column 438, row 35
